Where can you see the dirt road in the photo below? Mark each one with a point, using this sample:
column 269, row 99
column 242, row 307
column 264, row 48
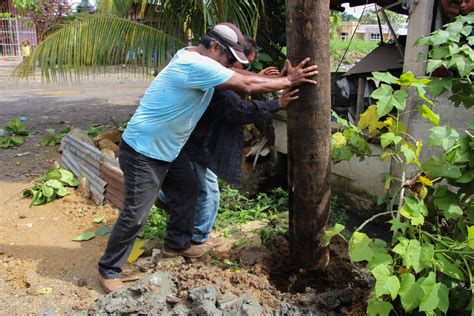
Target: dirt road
column 41, row 269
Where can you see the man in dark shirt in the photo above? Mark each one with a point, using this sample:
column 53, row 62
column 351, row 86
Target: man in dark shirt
column 215, row 147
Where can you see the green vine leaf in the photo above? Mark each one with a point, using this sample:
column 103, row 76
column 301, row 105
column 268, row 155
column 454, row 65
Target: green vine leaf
column 440, row 37
column 339, row 140
column 387, row 99
column 439, row 52
column 459, row 62
column 438, row 86
column 331, row 232
column 448, row 202
column 392, row 284
column 381, row 274
column 410, row 292
column 470, row 236
column 414, row 254
column 436, row 295
column 380, row 255
column 437, row 167
column 384, row 77
column 377, row 307
column 414, row 210
column 410, row 156
column 369, row 119
column 408, row 79
column 359, row 247
column 388, row 138
column 398, row 225
column 444, row 265
column 427, row 113
column 434, row 64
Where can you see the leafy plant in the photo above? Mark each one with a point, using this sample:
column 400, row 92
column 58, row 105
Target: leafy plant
column 431, row 255
column 155, row 226
column 452, row 51
column 13, row 134
column 427, row 267
column 50, row 186
column 123, row 125
column 94, row 129
column 236, row 208
column 54, row 138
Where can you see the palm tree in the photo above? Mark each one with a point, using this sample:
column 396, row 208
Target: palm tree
column 89, row 43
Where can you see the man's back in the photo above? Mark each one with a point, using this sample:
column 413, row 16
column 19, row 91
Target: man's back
column 216, row 142
column 173, row 104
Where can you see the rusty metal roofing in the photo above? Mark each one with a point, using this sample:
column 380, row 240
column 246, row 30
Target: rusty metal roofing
column 101, row 172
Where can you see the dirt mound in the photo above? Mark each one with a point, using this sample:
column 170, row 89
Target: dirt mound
column 258, row 277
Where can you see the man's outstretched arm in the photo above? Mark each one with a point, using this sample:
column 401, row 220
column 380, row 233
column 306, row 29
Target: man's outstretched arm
column 251, row 84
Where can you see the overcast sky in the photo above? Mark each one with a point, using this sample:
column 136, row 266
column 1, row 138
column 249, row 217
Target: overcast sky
column 357, row 11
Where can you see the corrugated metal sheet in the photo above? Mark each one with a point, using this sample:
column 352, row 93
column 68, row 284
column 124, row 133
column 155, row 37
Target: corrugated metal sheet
column 102, row 172
column 115, row 183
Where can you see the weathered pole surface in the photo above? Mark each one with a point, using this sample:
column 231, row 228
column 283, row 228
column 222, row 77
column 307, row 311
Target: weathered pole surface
column 309, row 133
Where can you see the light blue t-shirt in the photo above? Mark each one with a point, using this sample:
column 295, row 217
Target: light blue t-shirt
column 173, row 104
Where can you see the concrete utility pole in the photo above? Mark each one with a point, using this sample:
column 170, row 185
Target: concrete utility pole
column 309, row 133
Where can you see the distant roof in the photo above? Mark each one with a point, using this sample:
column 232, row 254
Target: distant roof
column 383, row 58
column 337, row 4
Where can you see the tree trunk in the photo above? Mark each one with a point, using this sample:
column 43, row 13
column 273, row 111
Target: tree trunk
column 309, row 134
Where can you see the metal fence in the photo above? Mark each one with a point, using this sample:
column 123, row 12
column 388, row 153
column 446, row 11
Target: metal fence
column 13, row 32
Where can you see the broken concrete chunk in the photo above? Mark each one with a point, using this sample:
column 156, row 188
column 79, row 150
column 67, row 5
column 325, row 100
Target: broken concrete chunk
column 249, row 306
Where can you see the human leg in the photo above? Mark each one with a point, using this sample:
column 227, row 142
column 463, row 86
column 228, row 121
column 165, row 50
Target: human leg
column 143, row 177
column 181, row 189
column 207, row 203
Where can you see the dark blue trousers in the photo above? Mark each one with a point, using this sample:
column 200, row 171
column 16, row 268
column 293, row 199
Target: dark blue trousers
column 143, row 178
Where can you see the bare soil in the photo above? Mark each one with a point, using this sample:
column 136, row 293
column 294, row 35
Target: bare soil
column 43, row 271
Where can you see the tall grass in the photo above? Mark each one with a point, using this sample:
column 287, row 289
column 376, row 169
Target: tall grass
column 357, row 50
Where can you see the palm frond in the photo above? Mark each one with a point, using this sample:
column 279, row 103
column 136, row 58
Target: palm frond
column 198, row 15
column 90, row 44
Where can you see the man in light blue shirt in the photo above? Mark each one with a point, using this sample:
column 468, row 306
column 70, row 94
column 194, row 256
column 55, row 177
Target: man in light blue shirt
column 150, row 152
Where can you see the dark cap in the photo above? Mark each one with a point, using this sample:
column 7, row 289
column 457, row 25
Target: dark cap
column 229, row 35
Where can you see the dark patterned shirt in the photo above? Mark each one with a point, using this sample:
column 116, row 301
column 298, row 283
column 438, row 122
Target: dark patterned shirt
column 217, row 140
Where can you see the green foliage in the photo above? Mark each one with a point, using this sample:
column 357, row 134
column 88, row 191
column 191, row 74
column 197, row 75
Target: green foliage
column 348, row 142
column 431, row 255
column 334, row 23
column 94, row 129
column 54, row 138
column 451, row 50
column 27, row 5
column 356, row 51
column 236, row 208
column 330, row 233
column 432, row 225
column 155, row 226
column 74, row 50
column 13, row 134
column 99, row 232
column 50, row 186
column 123, row 125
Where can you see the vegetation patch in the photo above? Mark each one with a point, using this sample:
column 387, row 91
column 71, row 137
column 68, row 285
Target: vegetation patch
column 52, row 185
column 13, row 134
column 427, row 266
